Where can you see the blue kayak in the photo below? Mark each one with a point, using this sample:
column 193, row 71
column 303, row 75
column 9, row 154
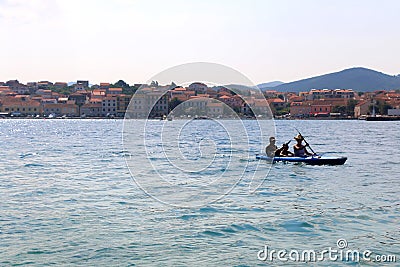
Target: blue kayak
column 311, row 160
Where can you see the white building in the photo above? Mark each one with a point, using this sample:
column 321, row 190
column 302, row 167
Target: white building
column 394, row 112
column 149, row 103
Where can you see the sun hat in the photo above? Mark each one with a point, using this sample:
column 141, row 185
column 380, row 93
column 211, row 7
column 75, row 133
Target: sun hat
column 299, row 137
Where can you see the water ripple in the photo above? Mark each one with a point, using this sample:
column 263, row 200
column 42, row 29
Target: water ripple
column 67, row 198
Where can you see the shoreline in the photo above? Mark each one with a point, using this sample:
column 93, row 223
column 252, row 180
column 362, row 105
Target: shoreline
column 156, row 119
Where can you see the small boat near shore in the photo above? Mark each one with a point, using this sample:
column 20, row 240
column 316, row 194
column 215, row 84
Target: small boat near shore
column 201, row 118
column 311, row 160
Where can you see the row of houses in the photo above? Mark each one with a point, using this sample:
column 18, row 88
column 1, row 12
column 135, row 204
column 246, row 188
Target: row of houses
column 20, row 106
column 100, row 102
column 108, row 101
column 335, row 102
column 309, row 104
column 31, row 88
column 361, row 104
column 15, row 86
column 390, row 100
column 96, row 103
column 315, row 108
column 157, row 101
column 196, row 99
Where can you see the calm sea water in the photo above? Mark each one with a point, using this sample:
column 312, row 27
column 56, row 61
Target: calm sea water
column 67, row 197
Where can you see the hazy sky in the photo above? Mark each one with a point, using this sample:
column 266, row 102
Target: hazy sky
column 104, row 41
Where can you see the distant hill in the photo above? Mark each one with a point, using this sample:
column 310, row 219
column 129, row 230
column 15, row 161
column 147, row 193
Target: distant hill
column 269, row 84
column 358, row 79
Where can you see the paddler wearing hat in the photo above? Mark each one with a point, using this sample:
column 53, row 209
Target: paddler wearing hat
column 300, row 149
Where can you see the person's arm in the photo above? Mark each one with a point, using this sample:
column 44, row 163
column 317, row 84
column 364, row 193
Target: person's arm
column 308, row 153
column 267, row 149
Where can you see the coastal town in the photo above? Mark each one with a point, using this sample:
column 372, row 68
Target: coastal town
column 107, row 100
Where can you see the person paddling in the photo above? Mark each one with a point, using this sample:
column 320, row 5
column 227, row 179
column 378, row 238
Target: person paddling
column 271, row 148
column 300, row 149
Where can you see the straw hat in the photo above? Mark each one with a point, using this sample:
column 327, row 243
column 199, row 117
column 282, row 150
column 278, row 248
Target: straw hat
column 299, row 137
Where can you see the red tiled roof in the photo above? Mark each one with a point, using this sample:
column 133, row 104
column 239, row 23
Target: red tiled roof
column 26, row 103
column 275, row 100
column 179, row 89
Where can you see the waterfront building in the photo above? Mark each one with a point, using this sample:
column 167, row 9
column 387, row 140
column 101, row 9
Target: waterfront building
column 139, row 109
column 394, row 111
column 300, row 109
column 22, row 106
column 276, row 103
column 91, row 110
column 362, row 108
column 148, row 103
column 254, row 105
column 122, row 104
column 215, row 109
column 109, row 106
column 60, row 109
column 161, row 103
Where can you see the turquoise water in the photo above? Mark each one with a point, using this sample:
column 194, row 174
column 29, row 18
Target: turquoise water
column 67, row 198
